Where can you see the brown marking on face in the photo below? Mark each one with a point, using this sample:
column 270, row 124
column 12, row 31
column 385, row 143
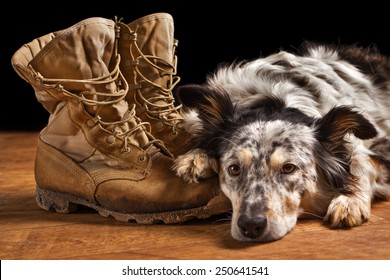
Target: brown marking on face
column 289, row 205
column 278, row 158
column 245, row 156
column 270, row 207
column 271, row 214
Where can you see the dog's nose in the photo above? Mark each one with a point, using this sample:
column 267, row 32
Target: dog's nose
column 252, row 227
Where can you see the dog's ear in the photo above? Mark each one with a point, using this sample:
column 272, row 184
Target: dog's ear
column 215, row 112
column 331, row 153
column 214, row 107
column 342, row 120
column 189, row 95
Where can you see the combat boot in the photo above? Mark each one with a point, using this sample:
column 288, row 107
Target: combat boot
column 149, row 65
column 95, row 150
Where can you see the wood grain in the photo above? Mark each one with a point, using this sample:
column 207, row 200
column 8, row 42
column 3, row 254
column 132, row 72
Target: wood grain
column 28, row 232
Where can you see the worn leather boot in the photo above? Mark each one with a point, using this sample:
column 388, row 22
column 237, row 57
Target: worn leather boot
column 95, row 150
column 147, row 47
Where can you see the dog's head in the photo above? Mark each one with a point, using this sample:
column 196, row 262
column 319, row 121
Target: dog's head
column 270, row 156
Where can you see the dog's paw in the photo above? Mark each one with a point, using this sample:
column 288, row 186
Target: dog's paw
column 193, row 166
column 347, row 211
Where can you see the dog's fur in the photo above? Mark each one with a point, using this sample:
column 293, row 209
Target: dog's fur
column 293, row 135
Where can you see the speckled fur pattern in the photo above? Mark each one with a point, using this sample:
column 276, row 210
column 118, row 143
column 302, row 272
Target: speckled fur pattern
column 293, row 135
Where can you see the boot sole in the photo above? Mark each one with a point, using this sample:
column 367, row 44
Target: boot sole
column 67, row 203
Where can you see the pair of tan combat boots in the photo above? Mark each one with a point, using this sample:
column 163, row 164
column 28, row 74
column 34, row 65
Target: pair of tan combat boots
column 114, row 127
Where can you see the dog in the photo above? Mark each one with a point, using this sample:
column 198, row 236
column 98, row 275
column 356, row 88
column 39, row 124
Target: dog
column 292, row 135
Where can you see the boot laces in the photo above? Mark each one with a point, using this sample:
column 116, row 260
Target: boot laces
column 125, row 134
column 163, row 105
column 121, row 128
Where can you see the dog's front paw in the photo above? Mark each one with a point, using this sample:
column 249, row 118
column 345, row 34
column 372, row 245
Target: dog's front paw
column 347, row 211
column 193, row 166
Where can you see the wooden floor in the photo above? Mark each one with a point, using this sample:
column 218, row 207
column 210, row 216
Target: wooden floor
column 28, row 232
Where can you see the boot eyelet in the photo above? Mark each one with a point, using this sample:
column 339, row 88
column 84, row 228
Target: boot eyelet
column 134, row 62
column 90, row 123
column 111, row 139
column 139, row 110
column 159, row 125
column 128, row 63
column 126, row 36
column 174, row 133
column 142, row 158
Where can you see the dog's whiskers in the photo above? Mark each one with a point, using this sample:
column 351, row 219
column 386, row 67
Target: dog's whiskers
column 228, row 218
column 312, row 214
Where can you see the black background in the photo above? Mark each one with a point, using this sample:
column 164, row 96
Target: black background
column 226, row 32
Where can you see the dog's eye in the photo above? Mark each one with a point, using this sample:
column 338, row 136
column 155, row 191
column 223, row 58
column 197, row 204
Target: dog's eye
column 234, row 170
column 288, row 168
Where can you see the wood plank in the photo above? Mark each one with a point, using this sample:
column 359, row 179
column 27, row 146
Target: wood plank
column 28, row 232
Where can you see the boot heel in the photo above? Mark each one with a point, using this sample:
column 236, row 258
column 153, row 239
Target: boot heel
column 53, row 201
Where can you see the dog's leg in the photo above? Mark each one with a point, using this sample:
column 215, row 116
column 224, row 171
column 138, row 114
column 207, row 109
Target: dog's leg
column 354, row 207
column 194, row 165
column 381, row 159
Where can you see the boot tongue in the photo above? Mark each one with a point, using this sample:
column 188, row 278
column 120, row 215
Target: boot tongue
column 86, row 52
